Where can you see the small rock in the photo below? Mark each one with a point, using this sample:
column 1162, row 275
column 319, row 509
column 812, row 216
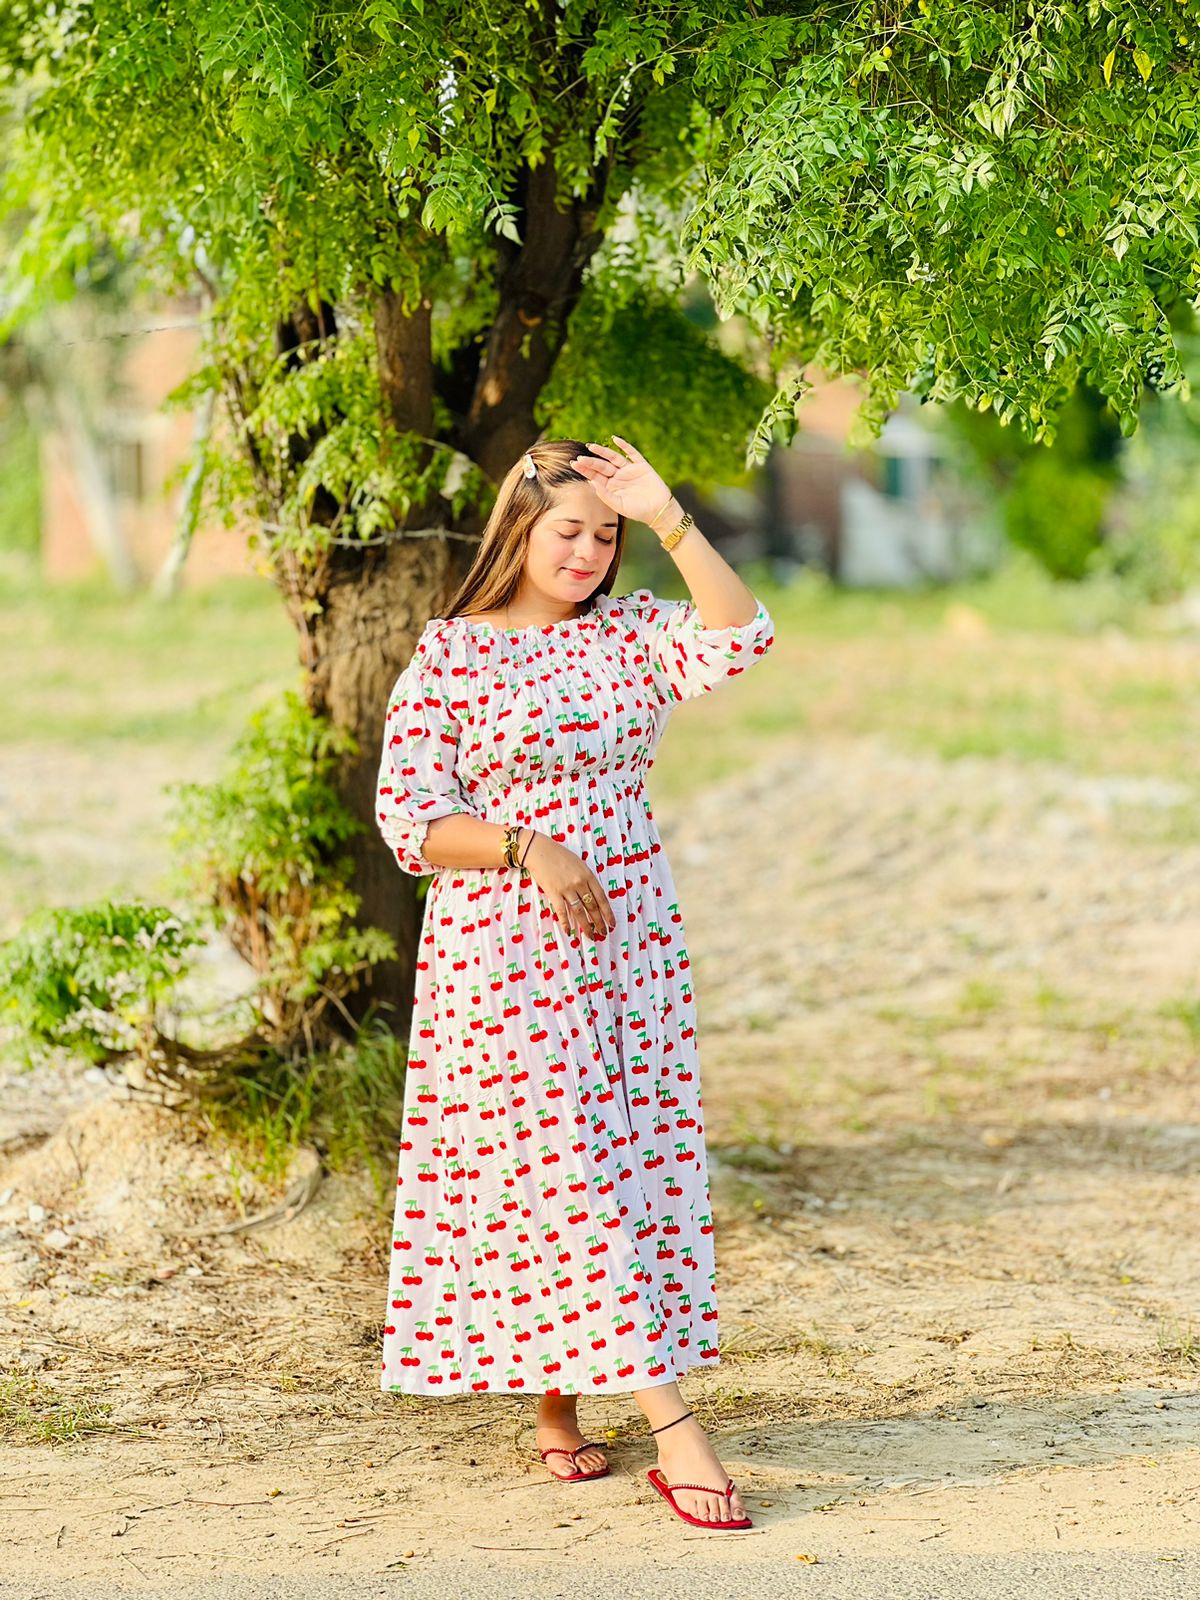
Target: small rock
column 57, row 1239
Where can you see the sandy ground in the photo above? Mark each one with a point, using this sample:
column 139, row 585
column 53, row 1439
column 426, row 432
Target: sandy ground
column 951, row 1079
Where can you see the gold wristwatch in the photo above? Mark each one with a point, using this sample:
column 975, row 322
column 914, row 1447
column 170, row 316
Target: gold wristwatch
column 670, row 540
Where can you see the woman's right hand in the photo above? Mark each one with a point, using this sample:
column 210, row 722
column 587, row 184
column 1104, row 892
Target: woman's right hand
column 563, row 878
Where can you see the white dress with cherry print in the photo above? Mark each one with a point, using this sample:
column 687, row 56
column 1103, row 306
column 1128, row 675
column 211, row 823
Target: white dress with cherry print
column 553, row 1227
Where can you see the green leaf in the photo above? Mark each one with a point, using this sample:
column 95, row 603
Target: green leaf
column 1143, row 63
column 1108, row 65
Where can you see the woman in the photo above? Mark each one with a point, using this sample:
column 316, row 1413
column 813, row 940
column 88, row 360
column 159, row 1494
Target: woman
column 553, row 1228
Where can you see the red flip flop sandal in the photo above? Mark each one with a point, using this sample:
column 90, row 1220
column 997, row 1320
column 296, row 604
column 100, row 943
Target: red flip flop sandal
column 666, row 1490
column 576, row 1476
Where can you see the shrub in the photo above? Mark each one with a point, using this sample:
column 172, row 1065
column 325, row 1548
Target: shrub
column 263, row 847
column 92, row 978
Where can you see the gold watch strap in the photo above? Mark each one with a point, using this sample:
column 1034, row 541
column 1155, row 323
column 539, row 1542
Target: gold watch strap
column 671, row 539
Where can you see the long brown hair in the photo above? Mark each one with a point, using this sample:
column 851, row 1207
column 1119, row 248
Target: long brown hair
column 495, row 574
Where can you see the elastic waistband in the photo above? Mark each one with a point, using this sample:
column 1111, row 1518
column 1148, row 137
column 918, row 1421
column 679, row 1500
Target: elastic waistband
column 624, row 782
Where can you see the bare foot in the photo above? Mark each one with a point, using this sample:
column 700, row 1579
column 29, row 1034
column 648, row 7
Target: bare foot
column 686, row 1455
column 557, row 1427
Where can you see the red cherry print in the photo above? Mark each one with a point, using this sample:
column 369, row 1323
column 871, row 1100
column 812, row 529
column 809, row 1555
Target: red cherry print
column 551, row 1160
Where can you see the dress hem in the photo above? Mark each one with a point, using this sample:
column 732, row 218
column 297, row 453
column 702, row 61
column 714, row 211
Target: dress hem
column 598, row 1391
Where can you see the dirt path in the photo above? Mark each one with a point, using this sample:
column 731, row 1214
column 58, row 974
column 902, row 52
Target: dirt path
column 950, row 1023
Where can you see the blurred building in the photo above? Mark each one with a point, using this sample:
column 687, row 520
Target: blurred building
column 113, row 484
column 898, row 514
column 113, row 463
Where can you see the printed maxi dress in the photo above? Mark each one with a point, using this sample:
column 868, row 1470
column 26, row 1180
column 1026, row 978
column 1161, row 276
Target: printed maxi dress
column 553, row 1226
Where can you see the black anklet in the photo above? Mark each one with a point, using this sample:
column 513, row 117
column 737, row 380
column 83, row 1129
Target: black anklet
column 683, row 1418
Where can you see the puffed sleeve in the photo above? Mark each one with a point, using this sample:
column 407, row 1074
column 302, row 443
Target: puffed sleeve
column 422, row 730
column 687, row 659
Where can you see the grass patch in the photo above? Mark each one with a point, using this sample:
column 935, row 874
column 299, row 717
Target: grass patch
column 979, row 998
column 349, row 1101
column 1187, row 1012
column 1178, row 1342
column 756, row 1157
column 86, row 665
column 33, row 1413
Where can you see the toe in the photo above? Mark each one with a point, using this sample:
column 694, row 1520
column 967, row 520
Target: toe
column 707, row 1506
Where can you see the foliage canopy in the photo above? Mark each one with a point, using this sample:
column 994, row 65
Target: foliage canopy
column 971, row 198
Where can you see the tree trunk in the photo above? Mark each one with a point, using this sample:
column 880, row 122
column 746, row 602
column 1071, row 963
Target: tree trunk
column 376, row 602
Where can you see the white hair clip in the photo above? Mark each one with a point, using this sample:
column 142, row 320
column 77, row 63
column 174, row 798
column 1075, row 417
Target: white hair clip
column 530, row 466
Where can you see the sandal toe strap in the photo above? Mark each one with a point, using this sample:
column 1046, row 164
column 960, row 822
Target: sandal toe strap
column 704, row 1488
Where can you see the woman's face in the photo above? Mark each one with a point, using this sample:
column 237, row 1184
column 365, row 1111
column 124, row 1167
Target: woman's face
column 572, row 545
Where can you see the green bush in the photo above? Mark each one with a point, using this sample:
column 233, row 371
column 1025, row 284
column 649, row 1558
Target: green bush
column 1154, row 543
column 1055, row 509
column 91, row 978
column 263, row 848
column 1053, row 499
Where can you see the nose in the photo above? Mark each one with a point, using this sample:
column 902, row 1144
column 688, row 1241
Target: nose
column 591, row 561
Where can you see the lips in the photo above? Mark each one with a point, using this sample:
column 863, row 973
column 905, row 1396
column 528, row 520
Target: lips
column 574, row 574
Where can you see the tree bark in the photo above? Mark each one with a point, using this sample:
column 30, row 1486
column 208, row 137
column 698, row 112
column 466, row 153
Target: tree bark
column 541, row 280
column 376, row 603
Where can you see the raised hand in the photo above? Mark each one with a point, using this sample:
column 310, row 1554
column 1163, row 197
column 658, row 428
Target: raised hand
column 626, row 484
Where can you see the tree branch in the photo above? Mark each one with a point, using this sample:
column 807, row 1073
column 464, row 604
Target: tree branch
column 539, row 285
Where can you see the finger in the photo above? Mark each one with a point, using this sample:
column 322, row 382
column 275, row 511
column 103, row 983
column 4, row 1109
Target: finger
column 636, row 455
column 603, row 908
column 614, row 456
column 602, row 899
column 589, row 921
column 593, row 469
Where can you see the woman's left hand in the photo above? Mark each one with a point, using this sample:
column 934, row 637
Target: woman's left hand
column 630, row 487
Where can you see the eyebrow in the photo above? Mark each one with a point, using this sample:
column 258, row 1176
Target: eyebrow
column 578, row 521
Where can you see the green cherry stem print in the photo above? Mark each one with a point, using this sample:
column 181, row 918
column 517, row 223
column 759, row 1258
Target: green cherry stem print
column 553, row 1223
